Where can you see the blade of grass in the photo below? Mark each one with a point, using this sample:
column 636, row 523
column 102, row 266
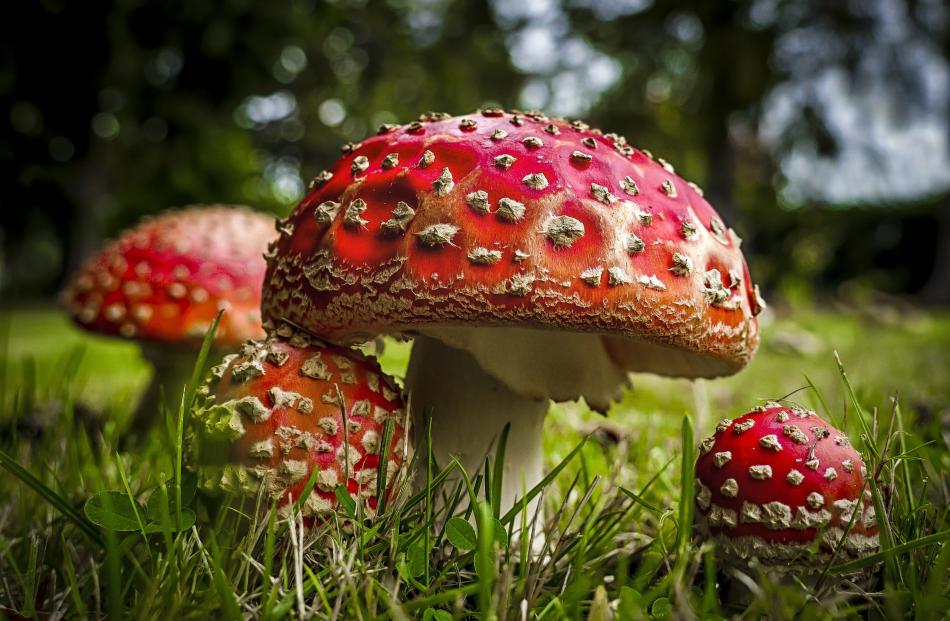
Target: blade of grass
column 640, row 501
column 877, row 557
column 818, row 395
column 381, row 469
column 497, row 474
column 299, row 502
column 905, row 463
column 486, row 557
column 60, row 503
column 186, row 403
column 132, row 502
column 74, row 593
column 687, row 482
column 550, row 476
column 229, row 605
column 858, row 410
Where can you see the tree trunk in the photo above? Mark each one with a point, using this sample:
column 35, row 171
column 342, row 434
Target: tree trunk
column 937, row 289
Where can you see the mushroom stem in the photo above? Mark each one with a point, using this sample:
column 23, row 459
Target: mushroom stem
column 172, row 369
column 468, row 410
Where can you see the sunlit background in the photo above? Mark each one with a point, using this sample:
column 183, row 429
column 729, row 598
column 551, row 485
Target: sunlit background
column 818, row 129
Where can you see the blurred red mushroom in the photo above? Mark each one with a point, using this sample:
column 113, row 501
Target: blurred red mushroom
column 283, row 407
column 162, row 283
column 781, row 485
column 531, row 258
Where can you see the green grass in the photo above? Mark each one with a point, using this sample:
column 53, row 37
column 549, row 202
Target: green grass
column 619, row 543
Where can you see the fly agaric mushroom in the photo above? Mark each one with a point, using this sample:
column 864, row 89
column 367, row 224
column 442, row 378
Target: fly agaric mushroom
column 163, row 282
column 779, row 484
column 282, row 407
column 531, row 258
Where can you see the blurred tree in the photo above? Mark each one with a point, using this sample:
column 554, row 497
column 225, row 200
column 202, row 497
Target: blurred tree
column 124, row 108
column 849, row 100
column 861, row 117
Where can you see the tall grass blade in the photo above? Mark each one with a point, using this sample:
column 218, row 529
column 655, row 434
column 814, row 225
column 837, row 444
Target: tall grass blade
column 498, row 471
column 60, row 503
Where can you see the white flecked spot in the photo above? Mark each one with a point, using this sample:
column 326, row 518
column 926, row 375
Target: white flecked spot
column 617, row 276
column 483, row 256
column 761, row 472
column 252, row 408
column 510, row 210
column 444, row 184
column 535, row 181
column 370, row 442
column 327, row 479
column 592, row 276
column 293, row 469
column 314, row 367
column 329, row 425
column 776, row 515
column 563, row 231
column 437, row 235
column 703, row 495
column 744, row 426
column 264, row 448
column 805, row 519
column 651, row 282
column 750, row 513
column 796, row 434
column 720, row 516
column 845, row 507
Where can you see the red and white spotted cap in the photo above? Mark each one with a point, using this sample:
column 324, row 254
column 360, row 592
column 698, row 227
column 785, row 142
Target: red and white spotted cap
column 517, row 221
column 275, row 411
column 166, row 279
column 775, row 481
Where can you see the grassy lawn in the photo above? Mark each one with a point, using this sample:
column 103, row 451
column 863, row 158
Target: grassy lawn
column 612, row 554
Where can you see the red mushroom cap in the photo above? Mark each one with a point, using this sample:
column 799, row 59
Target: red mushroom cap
column 165, row 279
column 516, row 220
column 273, row 414
column 780, row 483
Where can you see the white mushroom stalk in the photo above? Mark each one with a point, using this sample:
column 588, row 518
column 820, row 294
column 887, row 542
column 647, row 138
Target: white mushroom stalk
column 466, row 410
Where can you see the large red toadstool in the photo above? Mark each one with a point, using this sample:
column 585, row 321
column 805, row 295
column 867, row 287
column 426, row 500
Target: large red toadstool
column 280, row 408
column 780, row 484
column 531, row 258
column 163, row 282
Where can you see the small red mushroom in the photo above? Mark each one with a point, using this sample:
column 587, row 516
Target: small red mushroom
column 531, row 259
column 284, row 406
column 163, row 281
column 779, row 484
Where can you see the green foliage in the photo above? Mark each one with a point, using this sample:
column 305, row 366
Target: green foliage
column 616, row 542
column 460, row 534
column 117, row 512
column 114, row 511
